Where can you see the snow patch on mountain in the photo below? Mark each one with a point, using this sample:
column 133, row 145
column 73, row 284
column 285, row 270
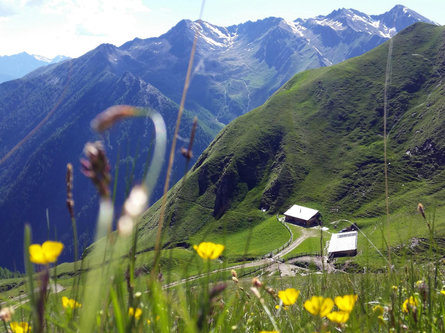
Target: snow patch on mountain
column 293, row 27
column 333, row 24
column 214, row 35
column 41, row 58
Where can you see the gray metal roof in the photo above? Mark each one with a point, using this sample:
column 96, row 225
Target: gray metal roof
column 300, row 212
column 344, row 241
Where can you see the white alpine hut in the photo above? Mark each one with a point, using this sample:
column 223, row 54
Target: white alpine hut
column 343, row 244
column 304, row 216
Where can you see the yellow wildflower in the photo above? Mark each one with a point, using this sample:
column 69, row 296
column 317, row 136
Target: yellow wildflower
column 318, row 305
column 135, row 313
column 442, row 292
column 289, row 296
column 419, row 283
column 209, row 250
column 69, row 303
column 20, row 327
column 382, row 321
column 410, row 304
column 338, row 317
column 45, row 253
column 346, row 303
column 378, row 309
column 148, row 321
column 394, row 288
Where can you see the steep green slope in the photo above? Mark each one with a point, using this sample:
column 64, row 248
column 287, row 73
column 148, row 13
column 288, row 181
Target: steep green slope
column 318, row 142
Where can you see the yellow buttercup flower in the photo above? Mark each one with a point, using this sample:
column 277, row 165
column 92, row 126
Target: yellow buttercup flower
column 20, row 327
column 346, row 303
column 318, row 305
column 209, row 250
column 135, row 313
column 410, row 304
column 419, row 283
column 45, row 253
column 69, row 303
column 381, row 320
column 378, row 309
column 442, row 292
column 289, row 296
column 338, row 317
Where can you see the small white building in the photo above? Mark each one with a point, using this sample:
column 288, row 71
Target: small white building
column 302, row 215
column 343, row 244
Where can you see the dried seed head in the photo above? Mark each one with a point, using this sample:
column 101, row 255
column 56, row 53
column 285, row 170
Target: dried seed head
column 187, row 153
column 234, row 274
column 96, row 167
column 235, row 279
column 69, row 189
column 421, row 210
column 110, row 116
column 91, row 149
column 270, row 291
column 216, row 290
column 256, row 282
column 6, row 314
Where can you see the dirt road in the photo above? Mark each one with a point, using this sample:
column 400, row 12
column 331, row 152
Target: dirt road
column 306, row 233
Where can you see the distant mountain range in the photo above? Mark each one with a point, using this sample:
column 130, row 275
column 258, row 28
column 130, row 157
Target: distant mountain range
column 236, row 69
column 17, row 65
column 240, row 66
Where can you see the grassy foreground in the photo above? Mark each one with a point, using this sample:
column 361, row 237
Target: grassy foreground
column 407, row 296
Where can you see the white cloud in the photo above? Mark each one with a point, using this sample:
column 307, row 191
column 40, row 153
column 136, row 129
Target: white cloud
column 7, row 8
column 69, row 27
column 112, row 19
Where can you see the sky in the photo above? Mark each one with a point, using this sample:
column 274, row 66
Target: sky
column 73, row 27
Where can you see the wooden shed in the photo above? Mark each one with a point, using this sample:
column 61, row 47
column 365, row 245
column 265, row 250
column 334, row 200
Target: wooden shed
column 343, row 244
column 303, row 216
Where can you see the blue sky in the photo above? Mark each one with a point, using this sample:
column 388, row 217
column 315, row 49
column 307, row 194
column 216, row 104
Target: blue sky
column 73, row 27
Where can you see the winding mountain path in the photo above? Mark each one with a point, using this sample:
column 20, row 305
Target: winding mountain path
column 305, row 233
column 23, row 298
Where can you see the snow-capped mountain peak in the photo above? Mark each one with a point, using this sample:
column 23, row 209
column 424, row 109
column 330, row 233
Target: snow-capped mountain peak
column 294, row 27
column 213, row 35
column 41, row 58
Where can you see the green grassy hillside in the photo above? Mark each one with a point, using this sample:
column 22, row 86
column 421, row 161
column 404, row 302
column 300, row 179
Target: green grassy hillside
column 319, row 142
